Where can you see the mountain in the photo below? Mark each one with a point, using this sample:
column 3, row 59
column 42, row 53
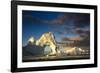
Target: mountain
column 46, row 45
column 31, row 41
column 48, row 39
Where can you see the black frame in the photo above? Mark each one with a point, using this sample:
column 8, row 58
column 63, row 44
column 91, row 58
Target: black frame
column 14, row 5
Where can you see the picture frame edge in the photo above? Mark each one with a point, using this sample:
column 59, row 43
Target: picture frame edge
column 14, row 68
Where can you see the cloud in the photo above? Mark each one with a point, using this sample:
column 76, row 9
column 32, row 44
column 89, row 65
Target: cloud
column 82, row 31
column 78, row 19
column 65, row 23
column 70, row 21
column 61, row 19
column 72, row 39
column 65, row 39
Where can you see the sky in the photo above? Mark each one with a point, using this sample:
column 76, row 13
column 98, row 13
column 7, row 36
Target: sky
column 63, row 25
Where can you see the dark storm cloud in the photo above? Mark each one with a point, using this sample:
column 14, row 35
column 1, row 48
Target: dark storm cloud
column 67, row 23
column 83, row 32
column 82, row 20
column 80, row 30
column 70, row 21
column 79, row 20
column 61, row 19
